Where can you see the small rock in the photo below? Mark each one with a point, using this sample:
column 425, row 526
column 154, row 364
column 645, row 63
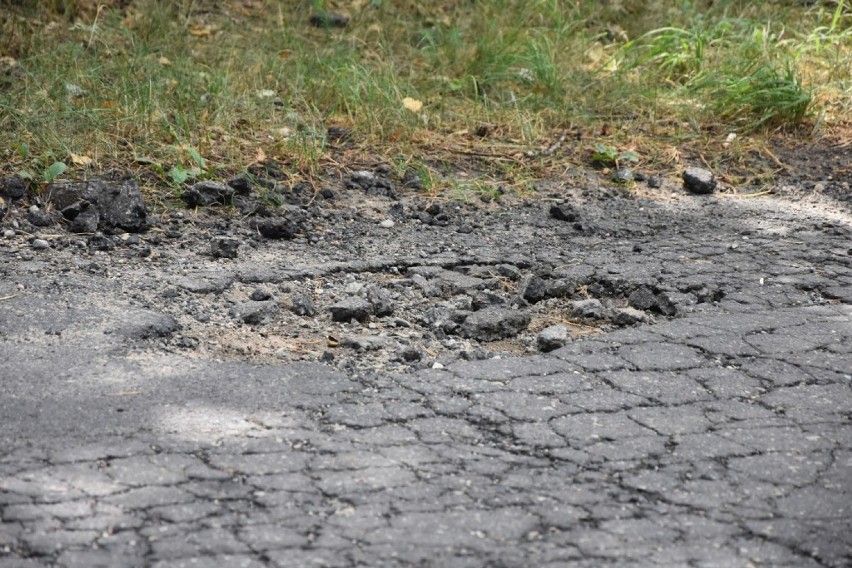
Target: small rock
column 39, row 218
column 275, row 227
column 380, row 300
column 241, row 184
column 387, row 223
column 655, row 182
column 510, row 271
column 254, row 313
column 552, row 337
column 532, row 288
column 302, row 305
column 443, row 317
column 666, row 305
column 492, row 324
column 642, row 299
column 40, row 244
column 629, row 316
column 260, row 295
column 206, row 193
column 353, row 288
column 99, row 241
column 412, row 180
column 623, row 176
column 411, row 354
column 561, row 288
column 592, row 309
column 13, row 187
column 351, row 308
column 564, row 212
column 83, row 216
column 699, row 181
column 8, row 233
column 224, row 247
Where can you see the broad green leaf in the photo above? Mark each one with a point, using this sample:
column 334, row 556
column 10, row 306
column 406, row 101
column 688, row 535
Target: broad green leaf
column 54, row 170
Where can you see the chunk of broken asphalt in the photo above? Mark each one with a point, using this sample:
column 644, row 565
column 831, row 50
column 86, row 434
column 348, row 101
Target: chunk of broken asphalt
column 699, row 181
column 255, row 312
column 351, row 308
column 532, row 288
column 380, row 300
column 302, row 305
column 552, row 337
column 206, row 193
column 592, row 309
column 642, row 299
column 119, row 203
column 564, row 212
column 224, row 247
column 492, row 324
column 275, row 227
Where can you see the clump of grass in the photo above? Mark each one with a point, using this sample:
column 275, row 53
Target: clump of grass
column 145, row 80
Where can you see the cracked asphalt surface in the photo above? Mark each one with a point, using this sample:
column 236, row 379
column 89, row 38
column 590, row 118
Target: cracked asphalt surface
column 719, row 438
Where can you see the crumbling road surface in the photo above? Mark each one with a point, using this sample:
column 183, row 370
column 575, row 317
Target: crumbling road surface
column 146, row 421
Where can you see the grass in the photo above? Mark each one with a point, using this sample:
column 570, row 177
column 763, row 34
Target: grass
column 201, row 88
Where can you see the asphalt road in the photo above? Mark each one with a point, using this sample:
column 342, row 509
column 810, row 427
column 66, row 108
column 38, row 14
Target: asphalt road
column 719, row 438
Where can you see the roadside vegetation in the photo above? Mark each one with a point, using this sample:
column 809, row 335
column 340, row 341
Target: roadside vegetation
column 189, row 89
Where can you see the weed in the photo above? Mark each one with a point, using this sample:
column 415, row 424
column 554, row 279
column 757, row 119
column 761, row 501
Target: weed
column 605, row 155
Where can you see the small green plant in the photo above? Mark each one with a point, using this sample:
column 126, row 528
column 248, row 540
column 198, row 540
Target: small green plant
column 47, row 174
column 178, row 174
column 609, row 156
column 53, row 171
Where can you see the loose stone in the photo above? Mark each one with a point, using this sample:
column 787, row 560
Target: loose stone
column 532, row 288
column 492, row 324
column 699, row 181
column 592, row 309
column 351, row 308
column 302, row 305
column 552, row 337
column 224, row 247
column 254, row 312
column 206, row 193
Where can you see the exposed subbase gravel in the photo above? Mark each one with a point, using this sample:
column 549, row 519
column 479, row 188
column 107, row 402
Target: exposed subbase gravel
column 372, row 276
column 359, row 373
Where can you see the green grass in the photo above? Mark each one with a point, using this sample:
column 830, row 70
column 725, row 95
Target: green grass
column 205, row 88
